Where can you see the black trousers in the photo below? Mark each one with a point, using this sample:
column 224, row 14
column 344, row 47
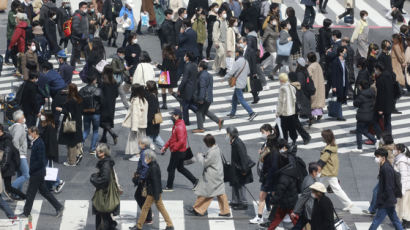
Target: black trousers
column 177, row 162
column 11, row 189
column 78, row 46
column 141, row 200
column 299, row 128
column 289, row 127
column 349, row 11
column 37, row 183
column 322, row 5
column 209, row 47
column 103, row 221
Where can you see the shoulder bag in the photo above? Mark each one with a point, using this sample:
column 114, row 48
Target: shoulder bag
column 157, row 118
column 232, row 80
column 340, row 224
column 69, row 125
column 106, row 200
column 228, row 169
column 284, row 50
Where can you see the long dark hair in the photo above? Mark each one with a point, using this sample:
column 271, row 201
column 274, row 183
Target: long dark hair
column 98, row 47
column 168, row 53
column 108, row 75
column 152, row 87
column 73, row 93
column 137, row 90
column 302, row 69
column 49, row 120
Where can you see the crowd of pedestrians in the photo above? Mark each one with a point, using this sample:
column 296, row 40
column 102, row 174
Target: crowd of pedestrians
column 254, row 42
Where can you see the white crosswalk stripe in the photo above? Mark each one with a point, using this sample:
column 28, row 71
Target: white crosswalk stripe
column 75, row 216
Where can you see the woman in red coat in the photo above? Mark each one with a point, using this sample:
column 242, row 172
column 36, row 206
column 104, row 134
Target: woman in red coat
column 17, row 42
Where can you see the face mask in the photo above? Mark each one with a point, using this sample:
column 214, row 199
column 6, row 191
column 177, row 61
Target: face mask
column 318, row 175
column 242, row 45
column 235, row 24
column 54, row 17
column 282, row 151
column 274, row 23
column 135, row 41
column 365, row 18
column 377, row 160
column 85, row 11
column 67, row 5
column 377, row 72
column 224, row 16
column 33, row 48
column 216, row 9
column 92, row 10
column 395, row 152
column 289, row 27
column 30, row 138
column 345, row 55
column 185, row 15
column 388, row 48
column 24, row 120
column 313, row 195
column 42, row 117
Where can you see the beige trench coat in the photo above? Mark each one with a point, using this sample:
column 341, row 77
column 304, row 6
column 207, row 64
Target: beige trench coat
column 397, row 60
column 318, row 99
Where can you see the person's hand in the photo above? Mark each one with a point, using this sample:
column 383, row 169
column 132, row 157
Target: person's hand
column 182, row 30
column 328, row 50
column 163, row 150
column 293, row 215
column 289, row 38
column 216, row 46
column 176, row 47
column 200, row 102
column 59, row 109
column 334, row 90
column 380, row 112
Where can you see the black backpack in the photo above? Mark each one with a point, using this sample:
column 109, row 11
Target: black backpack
column 19, row 94
column 300, row 165
column 310, row 88
column 89, row 101
column 397, row 185
column 116, row 7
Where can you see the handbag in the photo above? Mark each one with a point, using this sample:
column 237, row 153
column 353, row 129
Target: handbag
column 51, row 173
column 232, row 80
column 284, row 50
column 164, row 78
column 256, row 84
column 144, row 191
column 157, row 118
column 340, row 224
column 69, row 125
column 333, row 107
column 228, row 169
column 106, row 200
column 348, row 19
column 100, row 65
column 118, row 78
column 189, row 156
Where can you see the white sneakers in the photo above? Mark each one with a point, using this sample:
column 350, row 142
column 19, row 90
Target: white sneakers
column 348, row 208
column 134, row 158
column 357, row 150
column 256, row 220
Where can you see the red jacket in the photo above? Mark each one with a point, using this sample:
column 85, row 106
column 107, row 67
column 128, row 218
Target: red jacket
column 19, row 37
column 178, row 140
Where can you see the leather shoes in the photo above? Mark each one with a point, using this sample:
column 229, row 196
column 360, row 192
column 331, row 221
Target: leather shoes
column 341, row 119
column 240, row 207
column 220, row 124
column 225, row 215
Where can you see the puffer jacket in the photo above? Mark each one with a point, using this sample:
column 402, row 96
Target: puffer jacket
column 329, row 161
column 402, row 165
column 365, row 102
column 286, row 101
column 178, row 140
column 80, row 25
column 286, row 194
column 19, row 37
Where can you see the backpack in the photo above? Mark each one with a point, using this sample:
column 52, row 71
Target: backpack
column 88, row 101
column 116, row 7
column 310, row 88
column 300, row 165
column 68, row 26
column 83, row 73
column 19, row 94
column 397, row 185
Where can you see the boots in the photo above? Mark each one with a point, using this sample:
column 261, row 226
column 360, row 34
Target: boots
column 164, row 101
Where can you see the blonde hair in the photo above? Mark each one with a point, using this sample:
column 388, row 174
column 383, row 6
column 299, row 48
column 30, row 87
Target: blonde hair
column 283, row 77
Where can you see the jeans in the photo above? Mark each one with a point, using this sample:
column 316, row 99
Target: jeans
column 372, row 207
column 186, row 105
column 238, row 95
column 387, row 123
column 310, row 15
column 22, row 174
column 381, row 214
column 157, row 140
column 37, row 183
column 177, row 162
column 6, row 208
column 203, row 109
column 95, row 120
column 362, row 128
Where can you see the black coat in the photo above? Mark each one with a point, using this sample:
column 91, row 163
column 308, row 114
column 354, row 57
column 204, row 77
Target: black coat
column 294, row 34
column 153, row 108
column 50, row 31
column 371, row 62
column 240, row 161
column 177, row 29
column 386, row 60
column 187, row 42
column 130, row 60
column 365, row 102
column 192, row 4
column 251, row 56
column 49, row 136
column 107, row 10
column 322, row 214
column 167, row 34
column 71, row 139
column 384, row 97
column 171, row 66
column 109, row 93
column 336, row 80
column 29, row 104
column 325, row 37
column 286, row 192
column 153, row 180
column 189, row 80
column 66, row 72
column 38, row 161
column 361, row 75
column 303, row 105
column 385, row 196
column 249, row 16
column 11, row 156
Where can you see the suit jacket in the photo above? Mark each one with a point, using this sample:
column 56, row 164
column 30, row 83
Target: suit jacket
column 189, row 81
column 187, row 42
column 336, row 79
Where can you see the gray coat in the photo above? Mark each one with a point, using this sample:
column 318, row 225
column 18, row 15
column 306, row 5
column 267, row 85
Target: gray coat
column 205, row 87
column 308, row 42
column 211, row 183
column 305, row 201
column 19, row 133
column 236, row 69
column 269, row 38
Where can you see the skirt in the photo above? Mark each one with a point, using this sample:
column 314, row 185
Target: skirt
column 403, row 207
column 132, row 147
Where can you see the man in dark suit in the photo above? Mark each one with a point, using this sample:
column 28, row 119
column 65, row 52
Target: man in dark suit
column 186, row 42
column 339, row 81
column 384, row 98
column 178, row 23
column 188, row 85
column 331, row 55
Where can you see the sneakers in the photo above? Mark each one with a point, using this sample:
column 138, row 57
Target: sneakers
column 68, row 164
column 256, row 220
column 134, row 158
column 348, row 208
column 166, row 189
column 377, row 145
column 367, row 212
column 357, row 150
column 231, row 116
column 369, row 142
column 75, row 72
column 252, row 116
column 78, row 159
column 14, row 219
column 59, row 186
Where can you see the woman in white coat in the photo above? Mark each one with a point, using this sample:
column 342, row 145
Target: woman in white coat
column 136, row 120
column 285, row 109
column 361, row 34
column 145, row 71
column 211, row 184
column 402, row 165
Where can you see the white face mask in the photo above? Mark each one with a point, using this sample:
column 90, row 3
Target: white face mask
column 54, row 17
column 224, row 16
column 282, row 151
column 85, row 11
column 242, row 45
column 216, row 9
column 235, row 24
column 30, row 138
column 289, row 27
column 318, row 175
column 33, row 48
column 395, row 152
column 42, row 117
column 274, row 22
column 185, row 15
column 313, row 195
column 135, row 41
column 377, row 160
column 24, row 120
column 365, row 18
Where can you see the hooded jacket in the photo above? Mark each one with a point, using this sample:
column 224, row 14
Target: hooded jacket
column 19, row 37
column 365, row 102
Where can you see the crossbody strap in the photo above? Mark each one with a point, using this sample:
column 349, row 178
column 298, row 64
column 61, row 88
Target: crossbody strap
column 241, row 70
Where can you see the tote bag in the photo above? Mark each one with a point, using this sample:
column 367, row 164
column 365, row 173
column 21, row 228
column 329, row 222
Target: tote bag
column 69, row 125
column 284, row 50
column 333, row 107
column 51, row 173
column 164, row 78
column 106, row 200
column 228, row 169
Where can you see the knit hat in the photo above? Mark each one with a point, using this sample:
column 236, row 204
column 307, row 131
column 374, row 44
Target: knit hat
column 317, row 186
column 177, row 112
column 301, row 61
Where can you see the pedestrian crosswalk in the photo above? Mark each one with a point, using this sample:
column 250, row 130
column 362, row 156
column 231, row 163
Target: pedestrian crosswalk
column 249, row 131
column 77, row 215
